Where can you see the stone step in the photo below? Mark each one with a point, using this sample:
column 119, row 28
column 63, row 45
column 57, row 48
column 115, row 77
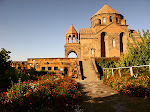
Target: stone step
column 89, row 72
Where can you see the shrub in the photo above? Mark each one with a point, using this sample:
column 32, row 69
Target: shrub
column 135, row 86
column 42, row 72
column 106, row 63
column 49, row 92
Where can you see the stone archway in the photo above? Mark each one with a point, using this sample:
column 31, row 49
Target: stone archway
column 75, row 48
column 72, row 54
column 71, row 51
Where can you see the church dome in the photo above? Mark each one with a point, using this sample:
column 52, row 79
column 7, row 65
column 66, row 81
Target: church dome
column 106, row 9
column 106, row 15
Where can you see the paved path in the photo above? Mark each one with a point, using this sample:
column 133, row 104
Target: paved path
column 97, row 97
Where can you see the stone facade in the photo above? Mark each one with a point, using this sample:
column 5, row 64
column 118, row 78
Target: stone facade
column 107, row 37
column 58, row 65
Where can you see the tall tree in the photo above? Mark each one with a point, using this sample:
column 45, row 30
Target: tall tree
column 4, row 61
column 138, row 51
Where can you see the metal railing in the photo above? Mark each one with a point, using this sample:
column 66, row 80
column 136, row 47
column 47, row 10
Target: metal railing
column 132, row 71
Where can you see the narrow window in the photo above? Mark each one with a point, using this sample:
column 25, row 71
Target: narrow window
column 113, row 41
column 116, row 20
column 110, row 18
column 121, row 42
column 94, row 23
column 43, row 68
column 104, row 20
column 92, row 51
column 55, row 68
column 49, row 68
column 99, row 21
column 103, row 44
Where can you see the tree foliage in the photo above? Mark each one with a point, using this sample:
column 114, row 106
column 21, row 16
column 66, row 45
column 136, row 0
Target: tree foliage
column 138, row 51
column 4, row 61
column 106, row 63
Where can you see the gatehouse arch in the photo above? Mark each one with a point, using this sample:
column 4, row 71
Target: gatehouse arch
column 72, row 54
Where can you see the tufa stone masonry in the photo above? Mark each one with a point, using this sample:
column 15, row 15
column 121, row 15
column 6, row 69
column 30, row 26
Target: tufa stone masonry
column 107, row 37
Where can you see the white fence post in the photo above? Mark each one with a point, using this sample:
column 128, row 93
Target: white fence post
column 112, row 72
column 119, row 72
column 131, row 71
column 149, row 67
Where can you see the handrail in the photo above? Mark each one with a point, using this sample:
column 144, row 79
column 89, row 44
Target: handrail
column 131, row 69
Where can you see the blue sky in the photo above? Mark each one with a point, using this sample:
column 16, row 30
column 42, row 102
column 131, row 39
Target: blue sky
column 37, row 28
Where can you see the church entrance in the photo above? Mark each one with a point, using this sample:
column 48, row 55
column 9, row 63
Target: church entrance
column 103, row 45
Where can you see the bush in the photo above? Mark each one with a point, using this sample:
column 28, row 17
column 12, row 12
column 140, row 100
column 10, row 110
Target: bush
column 135, row 86
column 42, row 72
column 49, row 93
column 106, row 63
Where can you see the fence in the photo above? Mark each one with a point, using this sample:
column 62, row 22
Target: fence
column 133, row 70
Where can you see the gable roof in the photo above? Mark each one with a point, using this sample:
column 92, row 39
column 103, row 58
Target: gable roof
column 71, row 30
column 86, row 31
column 106, row 9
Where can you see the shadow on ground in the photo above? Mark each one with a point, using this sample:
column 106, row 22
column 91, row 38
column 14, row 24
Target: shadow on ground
column 108, row 102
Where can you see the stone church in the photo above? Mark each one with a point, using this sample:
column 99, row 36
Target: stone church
column 107, row 37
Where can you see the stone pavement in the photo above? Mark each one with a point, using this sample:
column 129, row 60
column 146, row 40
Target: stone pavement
column 97, row 97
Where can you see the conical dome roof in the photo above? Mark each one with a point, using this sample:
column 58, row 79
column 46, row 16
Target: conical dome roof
column 71, row 30
column 106, row 9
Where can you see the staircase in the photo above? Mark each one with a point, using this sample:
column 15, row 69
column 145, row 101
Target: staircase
column 89, row 73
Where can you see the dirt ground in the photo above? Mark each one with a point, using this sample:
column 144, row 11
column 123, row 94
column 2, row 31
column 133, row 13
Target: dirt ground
column 97, row 97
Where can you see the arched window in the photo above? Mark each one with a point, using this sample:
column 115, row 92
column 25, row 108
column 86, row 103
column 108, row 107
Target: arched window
column 103, row 44
column 99, row 21
column 69, row 39
column 121, row 42
column 104, row 20
column 116, row 20
column 110, row 18
column 113, row 43
column 92, row 51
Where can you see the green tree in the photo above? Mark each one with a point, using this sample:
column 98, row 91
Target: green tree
column 4, row 61
column 106, row 63
column 138, row 51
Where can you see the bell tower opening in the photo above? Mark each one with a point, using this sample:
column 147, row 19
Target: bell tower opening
column 103, row 44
